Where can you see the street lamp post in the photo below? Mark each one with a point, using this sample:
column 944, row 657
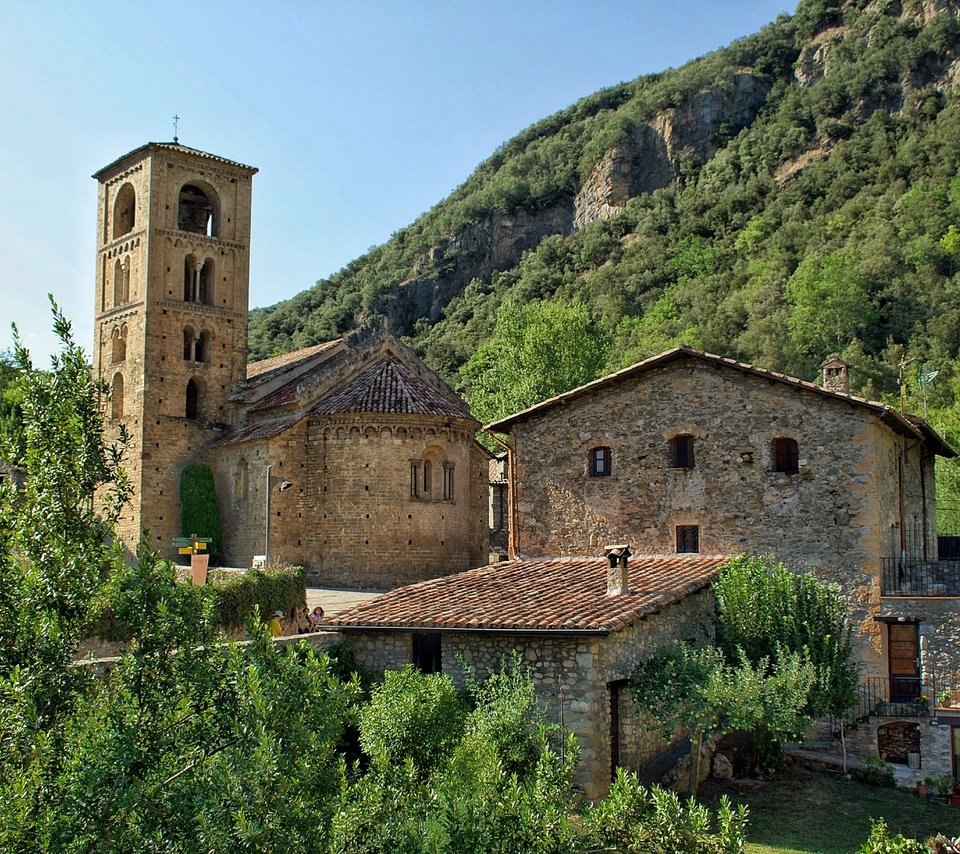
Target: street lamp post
column 271, row 483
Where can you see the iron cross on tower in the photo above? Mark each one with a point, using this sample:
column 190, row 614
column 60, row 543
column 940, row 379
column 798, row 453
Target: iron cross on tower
column 176, row 121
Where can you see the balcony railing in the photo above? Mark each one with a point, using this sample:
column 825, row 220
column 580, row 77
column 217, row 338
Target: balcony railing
column 905, row 697
column 908, row 576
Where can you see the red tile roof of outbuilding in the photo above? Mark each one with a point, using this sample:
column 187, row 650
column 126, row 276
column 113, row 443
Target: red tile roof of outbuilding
column 549, row 594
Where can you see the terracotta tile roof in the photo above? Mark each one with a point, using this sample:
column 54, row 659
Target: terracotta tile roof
column 258, row 372
column 174, row 146
column 558, row 594
column 257, row 432
column 389, row 386
column 900, row 423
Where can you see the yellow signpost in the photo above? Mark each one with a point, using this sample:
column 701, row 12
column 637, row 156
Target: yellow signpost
column 196, row 547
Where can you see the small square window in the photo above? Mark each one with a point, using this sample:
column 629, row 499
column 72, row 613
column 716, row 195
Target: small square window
column 681, row 451
column 786, row 455
column 600, row 462
column 688, row 539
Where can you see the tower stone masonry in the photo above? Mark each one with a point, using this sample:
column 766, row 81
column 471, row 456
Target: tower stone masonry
column 170, row 334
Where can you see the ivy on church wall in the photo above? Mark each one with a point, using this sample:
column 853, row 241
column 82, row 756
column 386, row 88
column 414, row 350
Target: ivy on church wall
column 199, row 508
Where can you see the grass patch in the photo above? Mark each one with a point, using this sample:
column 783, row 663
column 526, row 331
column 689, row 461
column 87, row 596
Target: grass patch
column 804, row 812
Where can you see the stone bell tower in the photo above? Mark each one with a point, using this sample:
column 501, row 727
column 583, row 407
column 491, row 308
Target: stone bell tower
column 170, row 332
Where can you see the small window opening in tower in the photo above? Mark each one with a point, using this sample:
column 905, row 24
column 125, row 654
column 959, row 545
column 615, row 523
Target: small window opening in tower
column 124, row 211
column 116, row 397
column 117, row 283
column 195, row 212
column 205, row 283
column 188, row 340
column 190, row 284
column 191, row 409
column 201, row 351
column 119, row 349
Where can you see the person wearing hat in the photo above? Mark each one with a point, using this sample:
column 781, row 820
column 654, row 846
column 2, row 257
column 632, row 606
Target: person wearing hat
column 276, row 627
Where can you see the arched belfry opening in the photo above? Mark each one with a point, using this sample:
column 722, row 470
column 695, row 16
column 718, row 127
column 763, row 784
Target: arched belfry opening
column 124, row 211
column 197, row 211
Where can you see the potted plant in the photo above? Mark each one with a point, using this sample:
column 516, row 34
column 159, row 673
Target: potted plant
column 923, row 704
column 923, row 787
column 945, row 698
column 943, row 784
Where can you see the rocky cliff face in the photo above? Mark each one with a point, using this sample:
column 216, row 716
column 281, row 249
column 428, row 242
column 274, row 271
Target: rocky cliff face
column 650, row 157
column 476, row 252
column 647, row 159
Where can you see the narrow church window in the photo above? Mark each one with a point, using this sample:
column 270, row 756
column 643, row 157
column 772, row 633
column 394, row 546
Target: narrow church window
column 688, row 539
column 427, row 477
column 195, row 212
column 600, row 460
column 124, row 211
column 681, row 451
column 116, row 397
column 414, row 478
column 786, row 455
column 192, row 403
column 448, row 481
column 240, row 481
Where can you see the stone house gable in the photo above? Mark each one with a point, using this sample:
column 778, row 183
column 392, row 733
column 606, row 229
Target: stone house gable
column 578, row 642
column 690, row 452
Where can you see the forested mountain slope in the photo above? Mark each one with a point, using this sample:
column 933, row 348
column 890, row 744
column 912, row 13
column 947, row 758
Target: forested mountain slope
column 789, row 196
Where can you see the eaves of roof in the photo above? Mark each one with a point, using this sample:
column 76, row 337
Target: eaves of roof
column 137, row 153
column 907, row 425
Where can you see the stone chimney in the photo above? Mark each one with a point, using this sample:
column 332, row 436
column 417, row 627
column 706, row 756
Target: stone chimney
column 836, row 375
column 617, row 573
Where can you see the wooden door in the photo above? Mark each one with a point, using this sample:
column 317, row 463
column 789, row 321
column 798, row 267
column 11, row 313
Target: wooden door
column 615, row 689
column 904, row 652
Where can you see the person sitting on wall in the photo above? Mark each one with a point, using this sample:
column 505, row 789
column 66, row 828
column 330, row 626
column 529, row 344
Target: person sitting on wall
column 275, row 625
column 298, row 620
column 316, row 618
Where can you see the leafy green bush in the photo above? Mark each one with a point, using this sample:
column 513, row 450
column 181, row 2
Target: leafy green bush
column 200, row 511
column 880, row 842
column 235, row 595
column 232, row 597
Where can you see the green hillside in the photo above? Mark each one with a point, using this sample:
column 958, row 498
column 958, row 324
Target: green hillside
column 792, row 195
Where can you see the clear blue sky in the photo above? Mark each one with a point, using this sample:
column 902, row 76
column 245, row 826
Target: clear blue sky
column 360, row 115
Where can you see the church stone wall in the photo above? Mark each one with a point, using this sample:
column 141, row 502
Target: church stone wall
column 366, row 528
column 350, row 517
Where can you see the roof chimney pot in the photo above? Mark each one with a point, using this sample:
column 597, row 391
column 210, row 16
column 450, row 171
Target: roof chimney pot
column 618, row 583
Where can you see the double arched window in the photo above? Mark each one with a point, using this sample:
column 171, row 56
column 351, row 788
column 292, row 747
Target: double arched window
column 198, row 280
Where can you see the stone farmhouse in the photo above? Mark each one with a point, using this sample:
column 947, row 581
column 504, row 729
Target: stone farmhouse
column 690, row 454
column 580, row 624
column 351, row 457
